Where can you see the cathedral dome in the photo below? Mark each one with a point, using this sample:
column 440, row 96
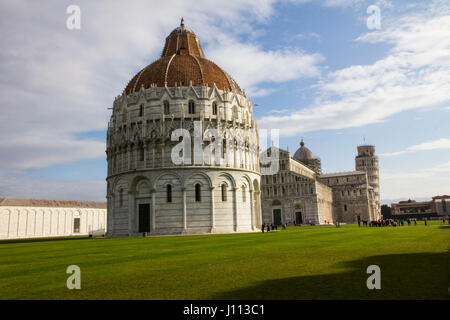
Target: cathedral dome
column 182, row 63
column 303, row 153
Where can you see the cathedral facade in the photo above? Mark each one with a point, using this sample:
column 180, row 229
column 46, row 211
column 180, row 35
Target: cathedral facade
column 182, row 149
column 299, row 193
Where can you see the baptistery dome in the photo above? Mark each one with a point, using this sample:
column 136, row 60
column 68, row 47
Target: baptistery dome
column 182, row 63
column 182, row 148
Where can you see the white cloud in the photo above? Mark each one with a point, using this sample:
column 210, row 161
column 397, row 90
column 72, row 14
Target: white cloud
column 24, row 187
column 56, row 83
column 251, row 66
column 426, row 182
column 443, row 143
column 415, row 74
column 342, row 3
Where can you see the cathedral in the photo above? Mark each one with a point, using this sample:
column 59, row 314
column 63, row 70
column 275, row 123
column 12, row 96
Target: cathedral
column 299, row 193
column 182, row 148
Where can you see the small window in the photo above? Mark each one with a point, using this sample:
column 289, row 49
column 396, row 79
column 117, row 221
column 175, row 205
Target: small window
column 169, row 193
column 76, row 225
column 244, row 195
column 224, row 147
column 224, row 192
column 214, row 108
column 166, row 107
column 198, row 192
column 345, row 207
column 141, row 154
column 191, row 107
column 141, row 110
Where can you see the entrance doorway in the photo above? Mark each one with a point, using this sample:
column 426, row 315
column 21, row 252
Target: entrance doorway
column 298, row 218
column 144, row 217
column 277, row 217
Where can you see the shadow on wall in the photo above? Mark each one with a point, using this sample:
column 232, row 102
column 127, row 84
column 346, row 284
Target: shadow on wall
column 403, row 276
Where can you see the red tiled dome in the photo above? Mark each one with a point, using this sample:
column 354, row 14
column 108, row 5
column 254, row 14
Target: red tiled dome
column 182, row 62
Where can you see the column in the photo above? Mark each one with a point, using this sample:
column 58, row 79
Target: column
column 145, row 155
column 235, row 209
column 131, row 213
column 153, row 216
column 251, row 210
column 184, row 210
column 162, row 154
column 257, row 195
column 129, row 150
column 213, row 222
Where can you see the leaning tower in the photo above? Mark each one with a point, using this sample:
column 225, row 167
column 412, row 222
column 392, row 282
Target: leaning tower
column 182, row 148
column 367, row 161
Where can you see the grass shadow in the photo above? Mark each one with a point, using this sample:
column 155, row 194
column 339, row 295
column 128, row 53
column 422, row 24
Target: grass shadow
column 8, row 241
column 403, row 276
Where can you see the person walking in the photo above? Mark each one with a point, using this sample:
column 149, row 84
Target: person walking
column 262, row 228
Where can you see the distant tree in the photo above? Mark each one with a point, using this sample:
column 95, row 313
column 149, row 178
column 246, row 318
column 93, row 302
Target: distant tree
column 386, row 211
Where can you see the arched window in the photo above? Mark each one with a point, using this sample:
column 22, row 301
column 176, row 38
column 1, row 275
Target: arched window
column 244, row 195
column 141, row 110
column 191, row 107
column 235, row 112
column 141, row 153
column 169, row 193
column 224, row 192
column 214, row 108
column 198, row 192
column 166, row 107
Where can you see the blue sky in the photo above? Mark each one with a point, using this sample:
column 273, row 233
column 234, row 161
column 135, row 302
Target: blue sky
column 313, row 67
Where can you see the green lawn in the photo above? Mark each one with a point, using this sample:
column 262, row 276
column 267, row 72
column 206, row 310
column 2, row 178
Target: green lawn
column 321, row 262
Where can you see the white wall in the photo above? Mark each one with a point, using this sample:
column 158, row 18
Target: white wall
column 33, row 222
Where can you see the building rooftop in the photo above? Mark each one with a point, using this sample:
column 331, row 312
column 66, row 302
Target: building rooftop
column 182, row 63
column 22, row 202
column 341, row 174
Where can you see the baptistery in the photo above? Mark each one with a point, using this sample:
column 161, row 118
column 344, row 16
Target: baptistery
column 182, row 148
